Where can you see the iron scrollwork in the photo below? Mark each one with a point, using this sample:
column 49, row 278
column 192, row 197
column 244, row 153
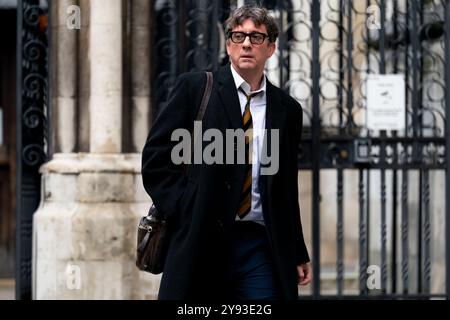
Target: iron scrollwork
column 32, row 122
column 34, row 85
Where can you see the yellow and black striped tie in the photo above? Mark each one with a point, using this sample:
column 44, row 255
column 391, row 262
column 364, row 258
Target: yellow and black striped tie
column 245, row 202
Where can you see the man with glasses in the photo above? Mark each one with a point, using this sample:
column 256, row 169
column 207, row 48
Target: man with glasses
column 236, row 233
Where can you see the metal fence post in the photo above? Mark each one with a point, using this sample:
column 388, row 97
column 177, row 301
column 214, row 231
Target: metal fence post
column 447, row 148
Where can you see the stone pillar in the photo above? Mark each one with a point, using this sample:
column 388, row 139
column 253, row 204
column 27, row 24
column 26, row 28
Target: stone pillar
column 84, row 78
column 65, row 81
column 105, row 39
column 84, row 232
column 84, row 238
column 140, row 71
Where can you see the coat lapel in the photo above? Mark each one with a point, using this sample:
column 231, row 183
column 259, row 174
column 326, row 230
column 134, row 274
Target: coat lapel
column 275, row 119
column 229, row 97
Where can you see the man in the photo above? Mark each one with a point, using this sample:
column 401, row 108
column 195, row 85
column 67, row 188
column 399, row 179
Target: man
column 236, row 233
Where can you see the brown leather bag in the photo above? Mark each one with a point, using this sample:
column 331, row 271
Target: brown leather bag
column 153, row 230
column 152, row 242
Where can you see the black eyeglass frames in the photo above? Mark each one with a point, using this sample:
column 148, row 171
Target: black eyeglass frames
column 255, row 37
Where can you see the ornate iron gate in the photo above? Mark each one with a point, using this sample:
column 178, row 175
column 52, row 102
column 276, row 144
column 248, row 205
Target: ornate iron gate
column 326, row 51
column 32, row 129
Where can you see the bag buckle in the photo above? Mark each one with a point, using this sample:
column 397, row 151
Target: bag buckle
column 147, row 228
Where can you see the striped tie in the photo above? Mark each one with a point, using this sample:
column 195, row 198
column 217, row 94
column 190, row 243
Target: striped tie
column 245, row 202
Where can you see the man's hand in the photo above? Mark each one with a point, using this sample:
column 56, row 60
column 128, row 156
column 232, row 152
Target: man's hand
column 304, row 274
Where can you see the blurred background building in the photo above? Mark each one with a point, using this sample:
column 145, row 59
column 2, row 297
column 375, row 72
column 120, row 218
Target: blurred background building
column 82, row 80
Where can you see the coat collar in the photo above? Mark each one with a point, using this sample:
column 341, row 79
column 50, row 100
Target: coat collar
column 275, row 111
column 241, row 83
column 229, row 96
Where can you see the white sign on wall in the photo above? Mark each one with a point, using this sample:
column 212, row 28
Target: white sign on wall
column 385, row 102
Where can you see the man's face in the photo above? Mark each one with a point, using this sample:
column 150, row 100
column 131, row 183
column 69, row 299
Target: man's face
column 247, row 56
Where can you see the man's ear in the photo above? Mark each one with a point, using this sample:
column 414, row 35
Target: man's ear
column 272, row 48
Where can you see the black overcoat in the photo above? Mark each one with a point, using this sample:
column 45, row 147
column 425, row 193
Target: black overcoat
column 201, row 200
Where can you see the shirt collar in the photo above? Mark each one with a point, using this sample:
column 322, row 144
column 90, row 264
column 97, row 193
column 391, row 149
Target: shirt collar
column 241, row 83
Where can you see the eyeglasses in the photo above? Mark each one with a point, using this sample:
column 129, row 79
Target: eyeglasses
column 255, row 37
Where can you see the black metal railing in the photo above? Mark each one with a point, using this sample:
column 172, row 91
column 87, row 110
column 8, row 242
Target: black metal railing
column 32, row 129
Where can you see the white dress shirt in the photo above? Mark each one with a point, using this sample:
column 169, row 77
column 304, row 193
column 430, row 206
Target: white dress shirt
column 258, row 111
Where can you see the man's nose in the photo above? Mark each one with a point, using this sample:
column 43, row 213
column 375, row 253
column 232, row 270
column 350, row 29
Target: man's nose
column 247, row 42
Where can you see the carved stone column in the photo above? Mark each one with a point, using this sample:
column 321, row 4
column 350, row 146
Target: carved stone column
column 84, row 238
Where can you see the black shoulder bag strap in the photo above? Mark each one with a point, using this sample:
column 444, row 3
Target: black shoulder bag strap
column 204, row 103
column 206, row 95
column 202, row 109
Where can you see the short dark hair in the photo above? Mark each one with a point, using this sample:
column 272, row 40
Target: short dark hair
column 258, row 15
